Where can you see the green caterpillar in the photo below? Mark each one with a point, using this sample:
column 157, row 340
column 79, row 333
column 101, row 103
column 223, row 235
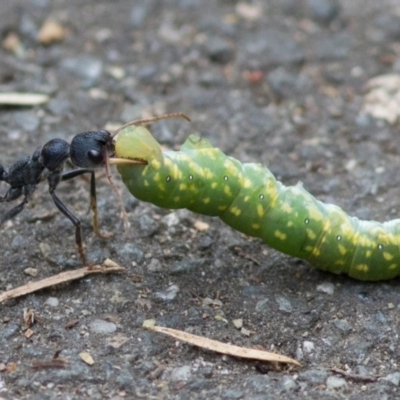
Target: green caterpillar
column 248, row 198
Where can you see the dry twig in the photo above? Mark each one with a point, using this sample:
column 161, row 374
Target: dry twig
column 224, row 348
column 108, row 266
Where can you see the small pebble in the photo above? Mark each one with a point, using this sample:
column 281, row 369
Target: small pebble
column 131, row 252
column 201, row 226
column 245, row 332
column 335, row 382
column 288, row 383
column 258, row 383
column 211, row 302
column 86, row 358
column 314, row 376
column 393, row 378
column 249, row 11
column 326, row 287
column 154, row 265
column 171, row 220
column 324, row 11
column 147, row 225
column 102, row 327
column 52, row 302
column 219, row 50
column 88, row 69
column 19, row 242
column 167, row 295
column 186, row 266
column 308, row 347
column 50, row 32
column 343, row 325
column 238, row 323
column 31, row 271
column 284, row 304
column 181, row 374
column 262, row 305
column 299, row 353
column 232, row 394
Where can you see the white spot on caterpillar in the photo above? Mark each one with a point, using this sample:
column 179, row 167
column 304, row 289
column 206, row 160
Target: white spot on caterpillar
column 380, row 247
column 225, row 178
column 190, row 177
column 261, row 197
column 306, row 221
column 338, row 238
column 168, row 179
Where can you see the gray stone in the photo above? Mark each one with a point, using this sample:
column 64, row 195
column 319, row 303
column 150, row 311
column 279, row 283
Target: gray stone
column 103, row 327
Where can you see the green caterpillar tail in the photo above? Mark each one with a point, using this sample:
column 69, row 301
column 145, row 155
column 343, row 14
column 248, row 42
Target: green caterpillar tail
column 248, row 198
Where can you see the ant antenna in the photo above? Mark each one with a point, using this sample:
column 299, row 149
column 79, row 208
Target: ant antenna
column 150, row 121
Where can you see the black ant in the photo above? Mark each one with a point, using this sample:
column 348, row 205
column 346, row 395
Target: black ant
column 87, row 151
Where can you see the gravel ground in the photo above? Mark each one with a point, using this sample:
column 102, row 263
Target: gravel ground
column 283, row 83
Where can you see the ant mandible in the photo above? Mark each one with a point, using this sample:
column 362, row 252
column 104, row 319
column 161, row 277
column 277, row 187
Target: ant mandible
column 87, row 151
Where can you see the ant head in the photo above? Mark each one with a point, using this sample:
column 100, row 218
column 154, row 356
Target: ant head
column 53, row 154
column 91, row 149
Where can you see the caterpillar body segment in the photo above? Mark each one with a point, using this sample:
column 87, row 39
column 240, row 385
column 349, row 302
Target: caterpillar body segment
column 248, row 198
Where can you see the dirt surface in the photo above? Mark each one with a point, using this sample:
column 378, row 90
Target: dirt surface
column 279, row 82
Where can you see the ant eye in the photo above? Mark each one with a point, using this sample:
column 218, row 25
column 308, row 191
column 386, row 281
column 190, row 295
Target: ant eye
column 95, row 156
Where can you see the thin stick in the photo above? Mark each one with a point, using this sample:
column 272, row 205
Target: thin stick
column 224, row 348
column 355, row 376
column 23, row 99
column 108, row 266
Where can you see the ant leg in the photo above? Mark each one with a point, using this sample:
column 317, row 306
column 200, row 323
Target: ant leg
column 93, row 200
column 77, row 223
column 12, row 194
column 13, row 212
column 54, row 179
